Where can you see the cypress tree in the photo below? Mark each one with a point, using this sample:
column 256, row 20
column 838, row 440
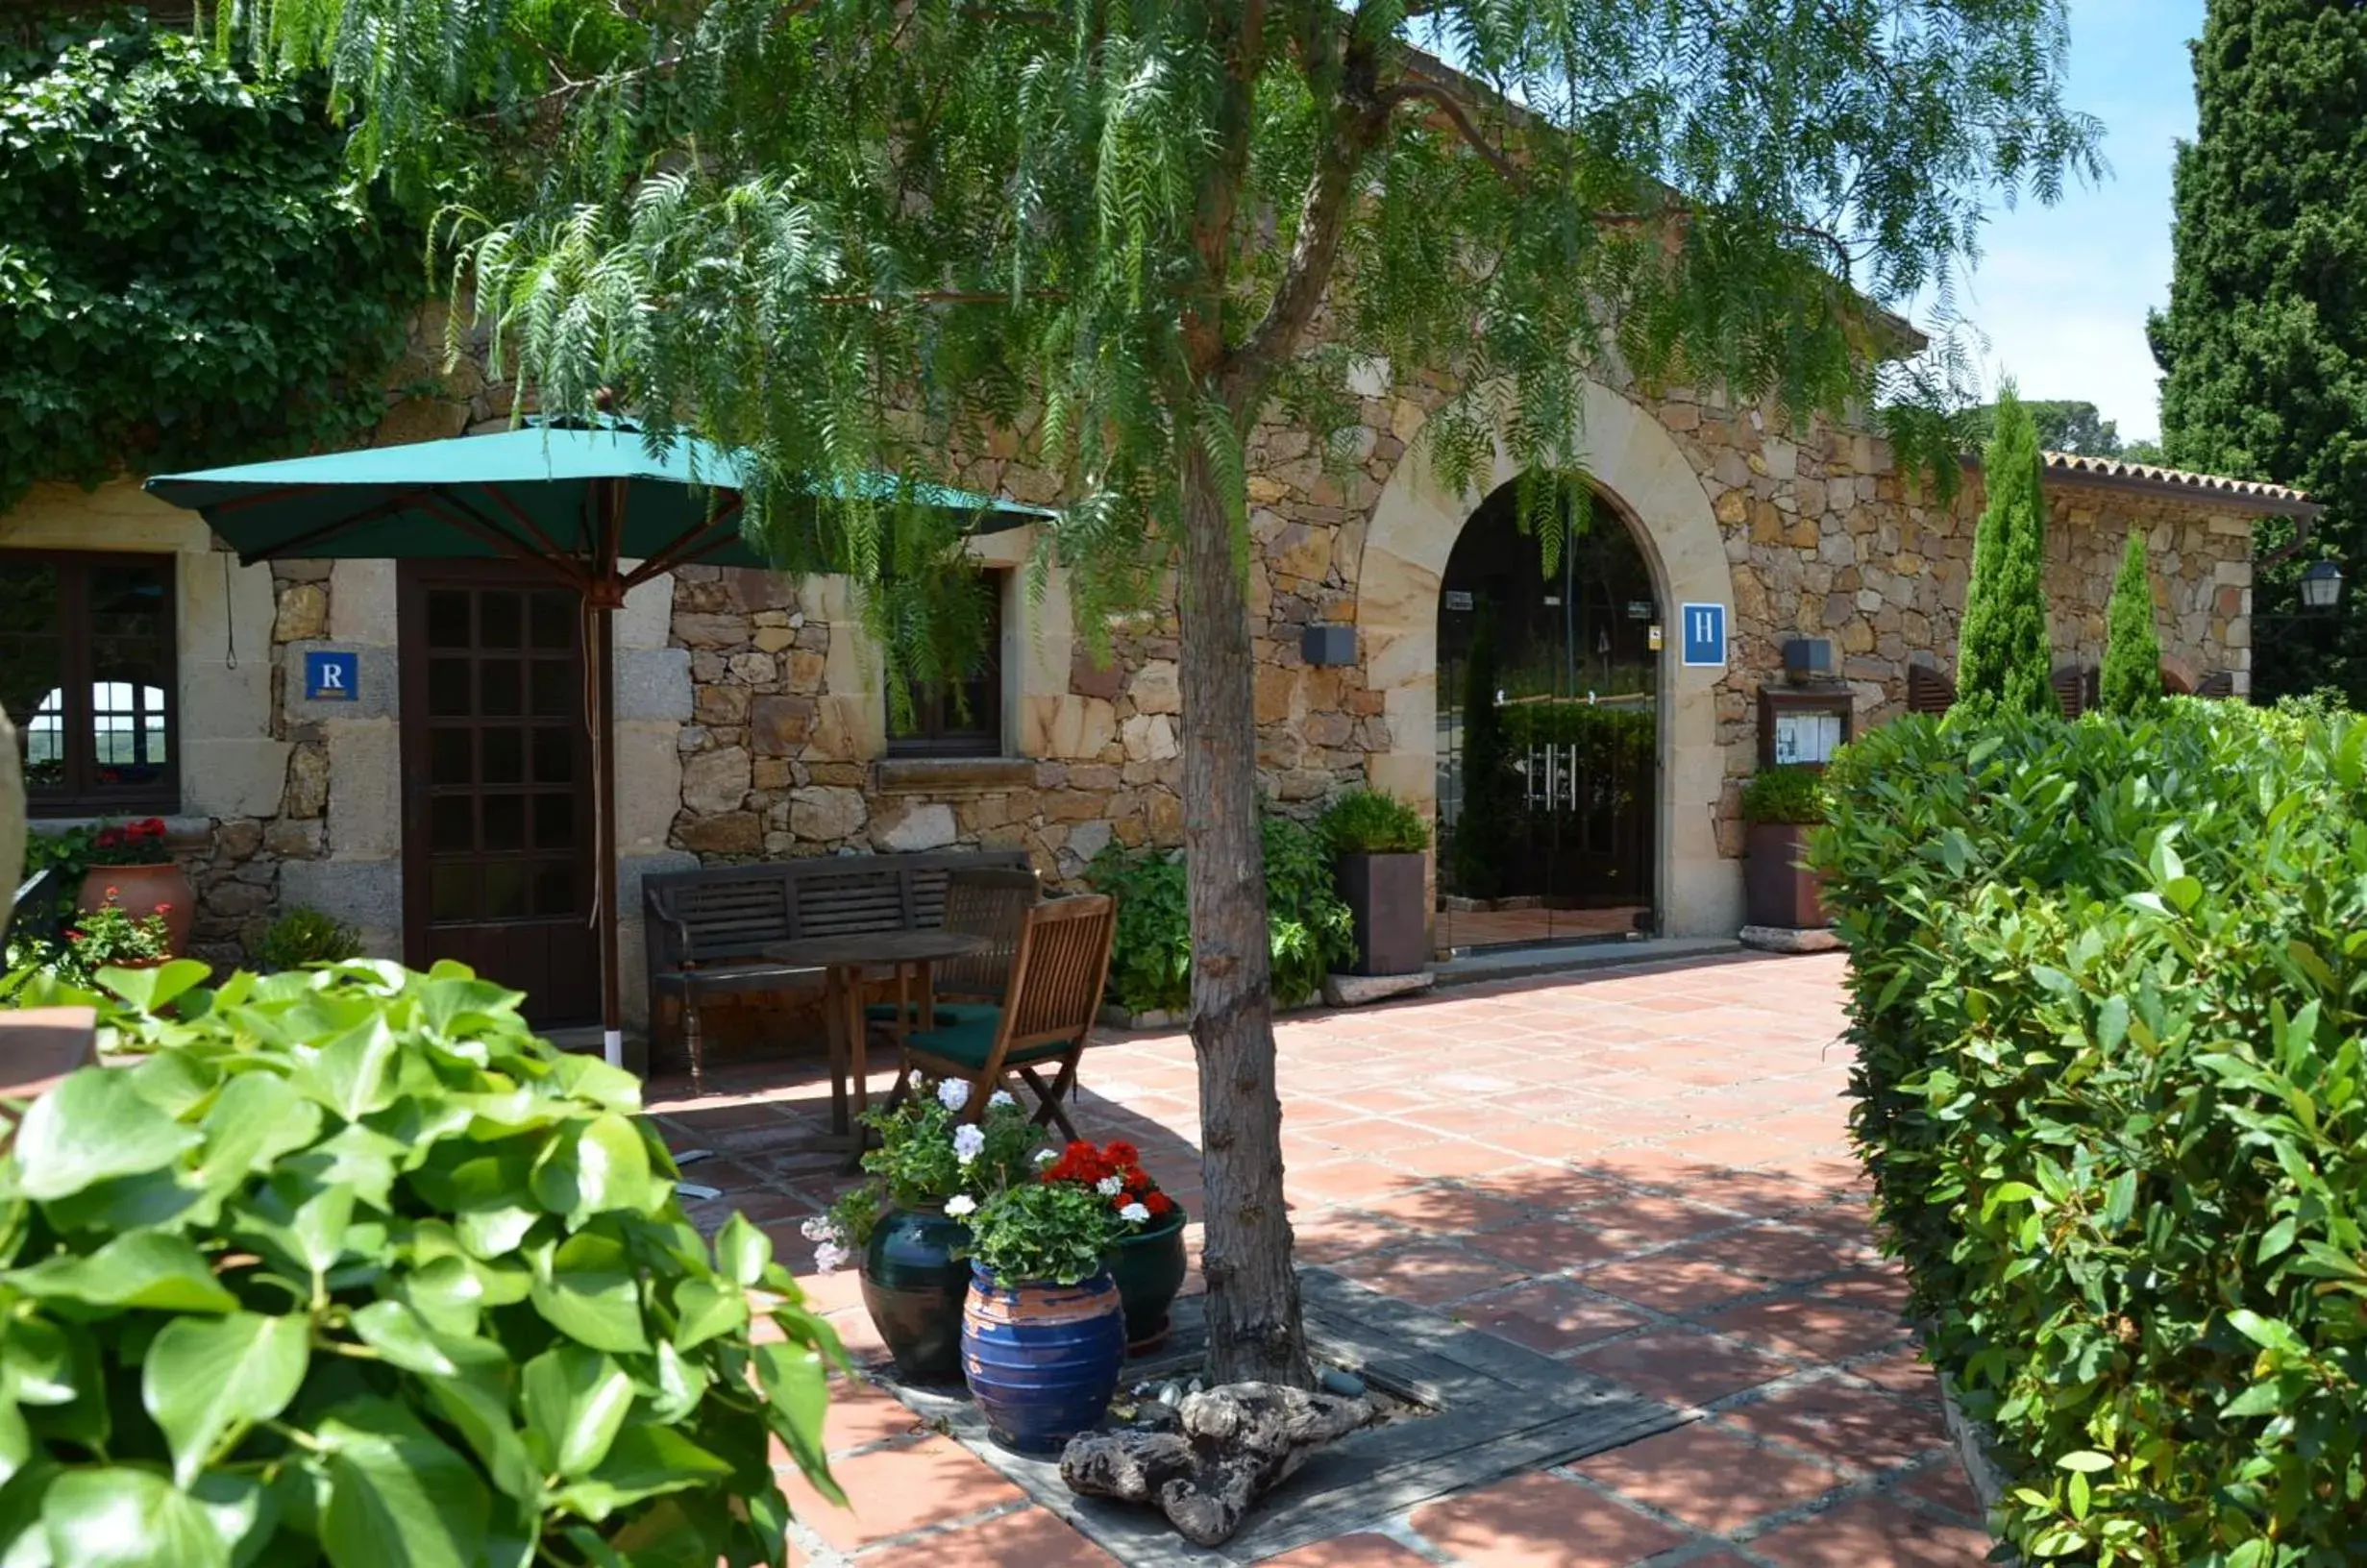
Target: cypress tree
column 2131, row 678
column 2002, row 653
column 2265, row 344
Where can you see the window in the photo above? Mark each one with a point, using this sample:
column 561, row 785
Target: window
column 87, row 677
column 960, row 717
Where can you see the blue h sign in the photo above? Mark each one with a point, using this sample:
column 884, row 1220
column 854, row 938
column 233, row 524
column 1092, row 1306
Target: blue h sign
column 332, row 677
column 1702, row 628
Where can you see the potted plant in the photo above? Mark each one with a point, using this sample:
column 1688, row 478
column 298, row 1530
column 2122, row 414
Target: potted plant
column 113, row 937
column 1380, row 846
column 1044, row 1329
column 306, row 936
column 129, row 865
column 1782, row 805
column 907, row 1224
column 1147, row 1260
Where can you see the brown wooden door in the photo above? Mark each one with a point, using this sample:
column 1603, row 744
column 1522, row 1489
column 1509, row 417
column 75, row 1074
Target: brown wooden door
column 497, row 783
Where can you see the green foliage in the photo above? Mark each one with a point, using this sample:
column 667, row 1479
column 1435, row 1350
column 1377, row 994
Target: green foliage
column 1608, row 740
column 190, row 271
column 1371, row 823
column 2062, row 427
column 111, row 935
column 2263, row 348
column 306, row 936
column 2003, row 657
column 921, row 1159
column 2106, row 989
column 1150, row 968
column 1792, row 794
column 2131, row 681
column 1480, row 845
column 1043, row 1233
column 352, row 1268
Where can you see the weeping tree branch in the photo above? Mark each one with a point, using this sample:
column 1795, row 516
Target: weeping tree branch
column 1460, row 117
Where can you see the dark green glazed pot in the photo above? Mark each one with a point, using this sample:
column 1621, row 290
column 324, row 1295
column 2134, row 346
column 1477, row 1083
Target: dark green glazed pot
column 1149, row 1268
column 913, row 1289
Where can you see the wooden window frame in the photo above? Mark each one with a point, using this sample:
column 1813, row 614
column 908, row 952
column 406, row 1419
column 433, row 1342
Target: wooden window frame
column 934, row 715
column 83, row 796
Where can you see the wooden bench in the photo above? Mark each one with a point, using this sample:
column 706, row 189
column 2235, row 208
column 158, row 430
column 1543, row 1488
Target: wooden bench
column 707, row 929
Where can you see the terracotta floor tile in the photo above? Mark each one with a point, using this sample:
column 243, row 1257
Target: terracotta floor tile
column 1548, row 1246
column 1653, row 1219
column 1540, row 1521
column 1813, row 1330
column 1549, row 1315
column 1350, row 1551
column 895, row 1489
column 1880, row 1287
column 1906, row 1374
column 1558, row 1189
column 1030, row 1537
column 1330, row 1235
column 1343, row 1181
column 1846, row 1424
column 1443, row 1209
column 860, row 1413
column 1873, row 1530
column 1458, row 1158
column 1711, row 1479
column 1671, row 1285
column 1429, row 1274
column 1942, row 1482
column 1681, row 1367
column 1373, row 1136
column 1781, row 1255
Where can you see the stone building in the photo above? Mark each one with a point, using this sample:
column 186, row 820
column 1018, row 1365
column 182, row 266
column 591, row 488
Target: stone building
column 752, row 719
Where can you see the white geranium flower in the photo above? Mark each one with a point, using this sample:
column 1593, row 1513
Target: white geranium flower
column 1048, row 1157
column 1134, row 1214
column 829, row 1257
column 960, row 1205
column 819, row 1229
column 953, row 1093
column 1109, row 1187
column 967, row 1141
column 1000, row 1096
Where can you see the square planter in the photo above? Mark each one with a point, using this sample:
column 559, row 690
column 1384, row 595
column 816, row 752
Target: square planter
column 1385, row 895
column 1778, row 890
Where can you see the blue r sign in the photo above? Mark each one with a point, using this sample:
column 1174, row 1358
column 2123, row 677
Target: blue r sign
column 1702, row 628
column 332, row 677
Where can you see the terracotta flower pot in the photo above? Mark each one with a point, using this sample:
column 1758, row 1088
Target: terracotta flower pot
column 1042, row 1359
column 141, row 891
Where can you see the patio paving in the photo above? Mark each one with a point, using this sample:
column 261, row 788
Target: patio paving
column 1641, row 1171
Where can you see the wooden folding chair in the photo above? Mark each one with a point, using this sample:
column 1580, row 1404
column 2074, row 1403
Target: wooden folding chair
column 1049, row 1007
column 990, row 902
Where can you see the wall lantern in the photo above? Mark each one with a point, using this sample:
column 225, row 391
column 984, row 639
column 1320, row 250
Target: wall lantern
column 2321, row 585
column 1322, row 645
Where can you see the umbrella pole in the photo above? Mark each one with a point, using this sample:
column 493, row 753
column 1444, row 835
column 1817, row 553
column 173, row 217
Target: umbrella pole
column 604, row 752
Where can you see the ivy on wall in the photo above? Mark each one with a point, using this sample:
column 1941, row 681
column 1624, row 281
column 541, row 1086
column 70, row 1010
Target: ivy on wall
column 189, row 273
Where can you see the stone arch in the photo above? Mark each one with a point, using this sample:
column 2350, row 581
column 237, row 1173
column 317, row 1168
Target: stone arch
column 1639, row 468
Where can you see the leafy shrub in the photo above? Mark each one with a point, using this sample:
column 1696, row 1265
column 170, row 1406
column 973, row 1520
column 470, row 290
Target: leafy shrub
column 1370, row 822
column 927, row 1155
column 1791, row 793
column 1150, row 968
column 2107, row 985
column 306, row 936
column 354, row 1268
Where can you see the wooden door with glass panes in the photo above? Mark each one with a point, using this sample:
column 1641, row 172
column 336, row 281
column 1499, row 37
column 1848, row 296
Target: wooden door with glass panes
column 497, row 784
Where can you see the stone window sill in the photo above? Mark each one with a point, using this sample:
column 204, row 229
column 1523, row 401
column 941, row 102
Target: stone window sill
column 952, row 775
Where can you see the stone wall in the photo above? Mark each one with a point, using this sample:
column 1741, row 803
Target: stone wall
column 751, row 715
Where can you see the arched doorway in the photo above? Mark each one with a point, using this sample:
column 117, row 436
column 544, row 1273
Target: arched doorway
column 1548, row 726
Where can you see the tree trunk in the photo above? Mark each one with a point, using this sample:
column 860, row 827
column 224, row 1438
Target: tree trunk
column 1254, row 1333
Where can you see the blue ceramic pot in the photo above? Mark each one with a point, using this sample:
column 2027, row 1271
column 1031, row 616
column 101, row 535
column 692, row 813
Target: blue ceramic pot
column 1042, row 1359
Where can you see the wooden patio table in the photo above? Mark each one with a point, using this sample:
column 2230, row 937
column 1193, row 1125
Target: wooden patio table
column 843, row 960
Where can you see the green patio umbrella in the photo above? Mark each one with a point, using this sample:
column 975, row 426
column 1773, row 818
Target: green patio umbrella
column 576, row 502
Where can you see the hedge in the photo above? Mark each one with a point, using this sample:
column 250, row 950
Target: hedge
column 2105, row 984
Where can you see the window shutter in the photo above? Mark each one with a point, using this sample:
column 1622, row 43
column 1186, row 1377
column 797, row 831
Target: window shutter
column 1928, row 689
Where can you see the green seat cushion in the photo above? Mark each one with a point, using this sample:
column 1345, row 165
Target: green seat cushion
column 972, row 1044
column 949, row 1014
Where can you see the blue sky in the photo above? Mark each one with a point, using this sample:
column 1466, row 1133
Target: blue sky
column 2062, row 292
